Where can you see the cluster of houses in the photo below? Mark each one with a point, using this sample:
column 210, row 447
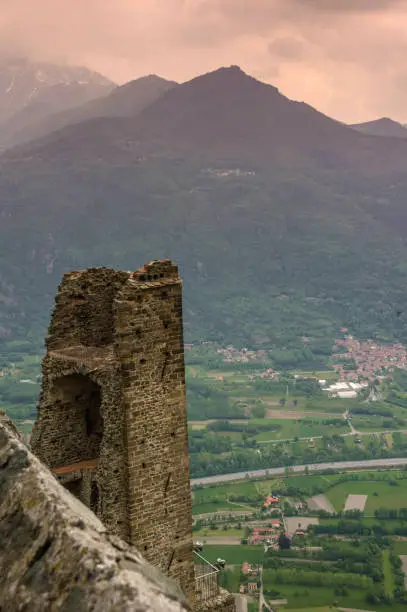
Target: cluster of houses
column 371, row 359
column 250, row 573
column 266, row 535
column 244, row 355
column 268, row 374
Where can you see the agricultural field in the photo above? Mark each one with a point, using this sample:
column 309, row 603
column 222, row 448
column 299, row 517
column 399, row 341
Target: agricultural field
column 371, row 423
column 252, row 490
column 355, row 502
column 213, row 507
column 216, row 533
column 235, row 555
column 307, row 598
column 223, row 492
column 319, row 599
column 231, row 580
column 388, row 574
column 380, row 494
column 338, row 574
column 400, row 546
column 301, row 428
column 317, row 609
column 307, row 482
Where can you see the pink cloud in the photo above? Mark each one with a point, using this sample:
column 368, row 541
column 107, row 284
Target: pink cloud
column 345, row 57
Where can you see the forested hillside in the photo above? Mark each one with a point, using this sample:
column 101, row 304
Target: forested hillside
column 284, row 222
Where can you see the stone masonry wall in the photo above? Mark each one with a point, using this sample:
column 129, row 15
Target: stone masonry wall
column 112, row 418
column 55, row 555
column 60, row 439
column 83, row 308
column 119, row 335
column 149, row 345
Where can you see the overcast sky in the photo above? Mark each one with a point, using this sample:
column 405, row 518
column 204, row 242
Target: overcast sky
column 348, row 58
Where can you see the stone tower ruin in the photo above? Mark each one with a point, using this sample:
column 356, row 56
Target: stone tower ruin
column 112, row 421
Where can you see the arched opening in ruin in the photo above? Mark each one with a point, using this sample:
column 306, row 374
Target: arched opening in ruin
column 78, row 402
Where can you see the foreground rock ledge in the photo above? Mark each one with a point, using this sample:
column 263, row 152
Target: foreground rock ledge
column 56, row 555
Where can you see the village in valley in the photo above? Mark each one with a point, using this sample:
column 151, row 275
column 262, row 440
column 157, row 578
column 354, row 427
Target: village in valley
column 328, row 539
column 289, row 542
column 287, row 550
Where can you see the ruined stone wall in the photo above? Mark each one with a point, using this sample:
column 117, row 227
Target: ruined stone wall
column 112, row 419
column 128, row 350
column 149, row 345
column 60, row 438
column 83, row 308
column 56, row 555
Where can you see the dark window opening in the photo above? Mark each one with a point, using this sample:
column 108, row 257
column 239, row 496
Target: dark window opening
column 78, row 400
column 74, row 487
column 93, row 418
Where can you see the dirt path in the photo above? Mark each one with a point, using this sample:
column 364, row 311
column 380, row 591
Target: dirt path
column 320, row 502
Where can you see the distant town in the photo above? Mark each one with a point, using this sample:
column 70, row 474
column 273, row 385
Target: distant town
column 368, row 359
column 356, row 363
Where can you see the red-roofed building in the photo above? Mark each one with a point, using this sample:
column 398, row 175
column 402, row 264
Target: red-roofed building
column 263, row 534
column 271, row 501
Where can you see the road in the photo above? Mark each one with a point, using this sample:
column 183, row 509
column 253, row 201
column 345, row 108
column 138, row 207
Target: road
column 337, row 465
column 241, row 603
column 262, row 601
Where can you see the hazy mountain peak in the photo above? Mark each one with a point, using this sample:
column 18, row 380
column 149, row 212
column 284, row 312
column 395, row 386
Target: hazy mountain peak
column 127, row 100
column 29, row 91
column 381, row 127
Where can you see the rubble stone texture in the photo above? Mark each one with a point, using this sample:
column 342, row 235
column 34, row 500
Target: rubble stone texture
column 56, row 555
column 112, row 421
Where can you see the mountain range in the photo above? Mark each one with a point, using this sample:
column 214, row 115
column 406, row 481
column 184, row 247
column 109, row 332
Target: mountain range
column 122, row 101
column 285, row 223
column 31, row 91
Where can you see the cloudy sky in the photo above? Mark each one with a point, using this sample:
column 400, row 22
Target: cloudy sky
column 348, row 58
